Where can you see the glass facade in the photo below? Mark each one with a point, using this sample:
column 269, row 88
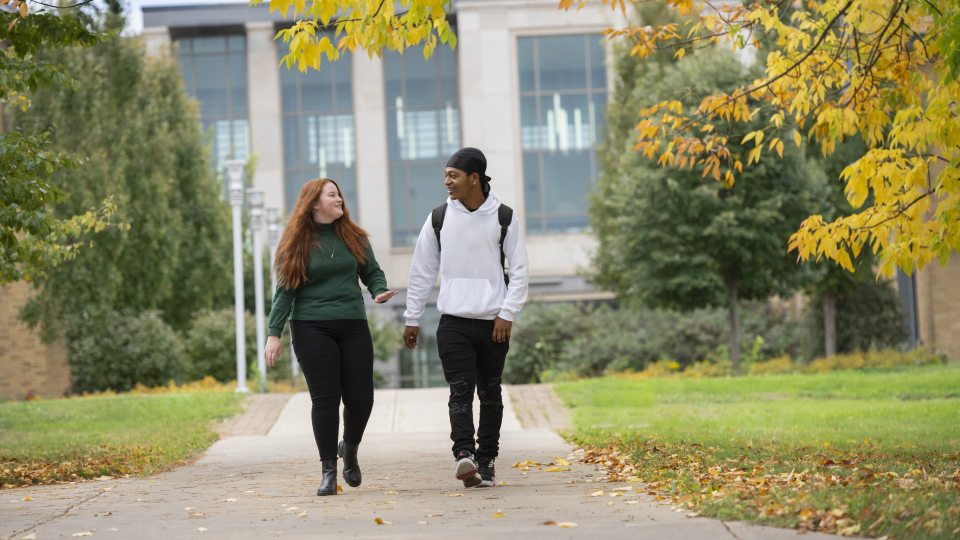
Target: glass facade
column 318, row 129
column 423, row 129
column 214, row 71
column 563, row 96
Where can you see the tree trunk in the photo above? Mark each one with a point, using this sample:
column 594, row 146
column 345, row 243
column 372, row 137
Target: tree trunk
column 830, row 323
column 734, row 326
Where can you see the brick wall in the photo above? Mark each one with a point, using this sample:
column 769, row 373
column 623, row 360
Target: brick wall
column 938, row 307
column 27, row 364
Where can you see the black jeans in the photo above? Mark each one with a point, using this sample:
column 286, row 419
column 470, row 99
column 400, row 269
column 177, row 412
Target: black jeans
column 336, row 357
column 471, row 360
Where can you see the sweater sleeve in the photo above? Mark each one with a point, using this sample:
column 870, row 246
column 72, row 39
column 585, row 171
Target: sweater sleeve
column 280, row 310
column 372, row 275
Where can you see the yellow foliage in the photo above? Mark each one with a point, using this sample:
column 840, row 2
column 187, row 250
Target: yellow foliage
column 834, row 70
column 369, row 25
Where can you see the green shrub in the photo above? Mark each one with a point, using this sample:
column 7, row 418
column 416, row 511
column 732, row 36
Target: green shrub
column 587, row 341
column 211, row 344
column 124, row 350
column 869, row 317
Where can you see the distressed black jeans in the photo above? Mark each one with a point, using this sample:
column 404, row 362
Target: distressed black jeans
column 472, row 362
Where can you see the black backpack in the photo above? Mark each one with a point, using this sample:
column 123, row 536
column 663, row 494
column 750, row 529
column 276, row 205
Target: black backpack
column 505, row 215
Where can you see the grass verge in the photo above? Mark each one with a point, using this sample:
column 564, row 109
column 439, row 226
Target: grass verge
column 106, row 435
column 854, row 452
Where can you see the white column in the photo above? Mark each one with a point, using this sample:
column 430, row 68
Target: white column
column 263, row 101
column 373, row 185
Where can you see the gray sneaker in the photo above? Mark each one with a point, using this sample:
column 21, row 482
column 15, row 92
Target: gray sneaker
column 466, row 469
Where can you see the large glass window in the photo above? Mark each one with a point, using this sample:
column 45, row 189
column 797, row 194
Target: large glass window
column 215, row 73
column 318, row 128
column 423, row 130
column 563, row 96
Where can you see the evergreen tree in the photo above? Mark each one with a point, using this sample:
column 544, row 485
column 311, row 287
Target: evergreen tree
column 139, row 133
column 671, row 238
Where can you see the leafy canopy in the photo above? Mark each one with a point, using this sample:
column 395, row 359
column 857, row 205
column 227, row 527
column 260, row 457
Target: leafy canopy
column 369, row 25
column 32, row 238
column 883, row 70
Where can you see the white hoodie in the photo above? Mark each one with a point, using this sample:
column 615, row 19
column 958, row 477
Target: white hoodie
column 471, row 278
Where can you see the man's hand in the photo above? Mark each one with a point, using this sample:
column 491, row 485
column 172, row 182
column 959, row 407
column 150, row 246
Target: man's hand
column 501, row 330
column 410, row 334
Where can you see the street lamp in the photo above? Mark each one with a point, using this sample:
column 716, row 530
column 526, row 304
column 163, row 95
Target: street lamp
column 234, row 172
column 255, row 200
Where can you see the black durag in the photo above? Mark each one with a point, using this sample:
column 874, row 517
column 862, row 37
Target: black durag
column 470, row 160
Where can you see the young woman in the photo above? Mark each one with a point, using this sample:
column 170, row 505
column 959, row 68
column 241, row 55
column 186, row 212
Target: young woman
column 320, row 256
column 477, row 306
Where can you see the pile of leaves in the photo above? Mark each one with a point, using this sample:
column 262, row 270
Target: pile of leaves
column 104, row 461
column 865, row 493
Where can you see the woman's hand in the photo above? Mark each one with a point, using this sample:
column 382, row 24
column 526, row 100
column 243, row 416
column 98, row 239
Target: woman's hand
column 272, row 351
column 384, row 296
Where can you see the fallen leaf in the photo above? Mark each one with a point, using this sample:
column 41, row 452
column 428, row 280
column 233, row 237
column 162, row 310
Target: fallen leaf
column 31, row 536
column 84, row 533
column 202, row 529
column 566, row 524
column 598, row 493
column 189, row 508
column 28, row 498
column 561, row 461
column 557, row 469
column 503, row 483
column 498, row 514
column 456, row 494
column 380, row 521
column 339, row 488
column 197, row 514
column 550, row 523
column 302, row 514
column 230, row 499
column 391, row 492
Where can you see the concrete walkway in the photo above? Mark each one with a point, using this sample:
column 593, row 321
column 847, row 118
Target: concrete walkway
column 263, row 486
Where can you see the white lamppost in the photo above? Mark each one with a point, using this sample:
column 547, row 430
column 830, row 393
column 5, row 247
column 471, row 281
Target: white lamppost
column 255, row 200
column 234, row 172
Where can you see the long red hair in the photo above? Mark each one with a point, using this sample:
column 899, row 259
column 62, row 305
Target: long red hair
column 293, row 252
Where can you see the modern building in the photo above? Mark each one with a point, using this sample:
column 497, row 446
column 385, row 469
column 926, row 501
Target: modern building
column 527, row 84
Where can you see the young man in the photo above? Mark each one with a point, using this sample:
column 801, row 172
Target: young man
column 466, row 242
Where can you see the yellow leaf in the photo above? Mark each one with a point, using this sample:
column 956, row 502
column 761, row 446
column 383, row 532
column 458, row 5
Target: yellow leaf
column 796, row 137
column 597, row 493
column 679, row 54
column 561, row 461
column 498, row 514
column 557, row 469
column 566, row 524
column 380, row 521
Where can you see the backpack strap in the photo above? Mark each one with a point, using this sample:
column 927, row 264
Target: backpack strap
column 436, row 218
column 505, row 214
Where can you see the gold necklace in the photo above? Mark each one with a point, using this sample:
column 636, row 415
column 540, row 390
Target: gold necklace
column 332, row 251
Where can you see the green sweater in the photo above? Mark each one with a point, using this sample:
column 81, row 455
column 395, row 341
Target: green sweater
column 331, row 290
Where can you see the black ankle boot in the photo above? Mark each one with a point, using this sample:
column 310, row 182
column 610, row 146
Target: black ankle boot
column 328, row 485
column 351, row 467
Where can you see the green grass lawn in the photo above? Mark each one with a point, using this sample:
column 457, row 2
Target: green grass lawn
column 68, row 439
column 871, row 453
